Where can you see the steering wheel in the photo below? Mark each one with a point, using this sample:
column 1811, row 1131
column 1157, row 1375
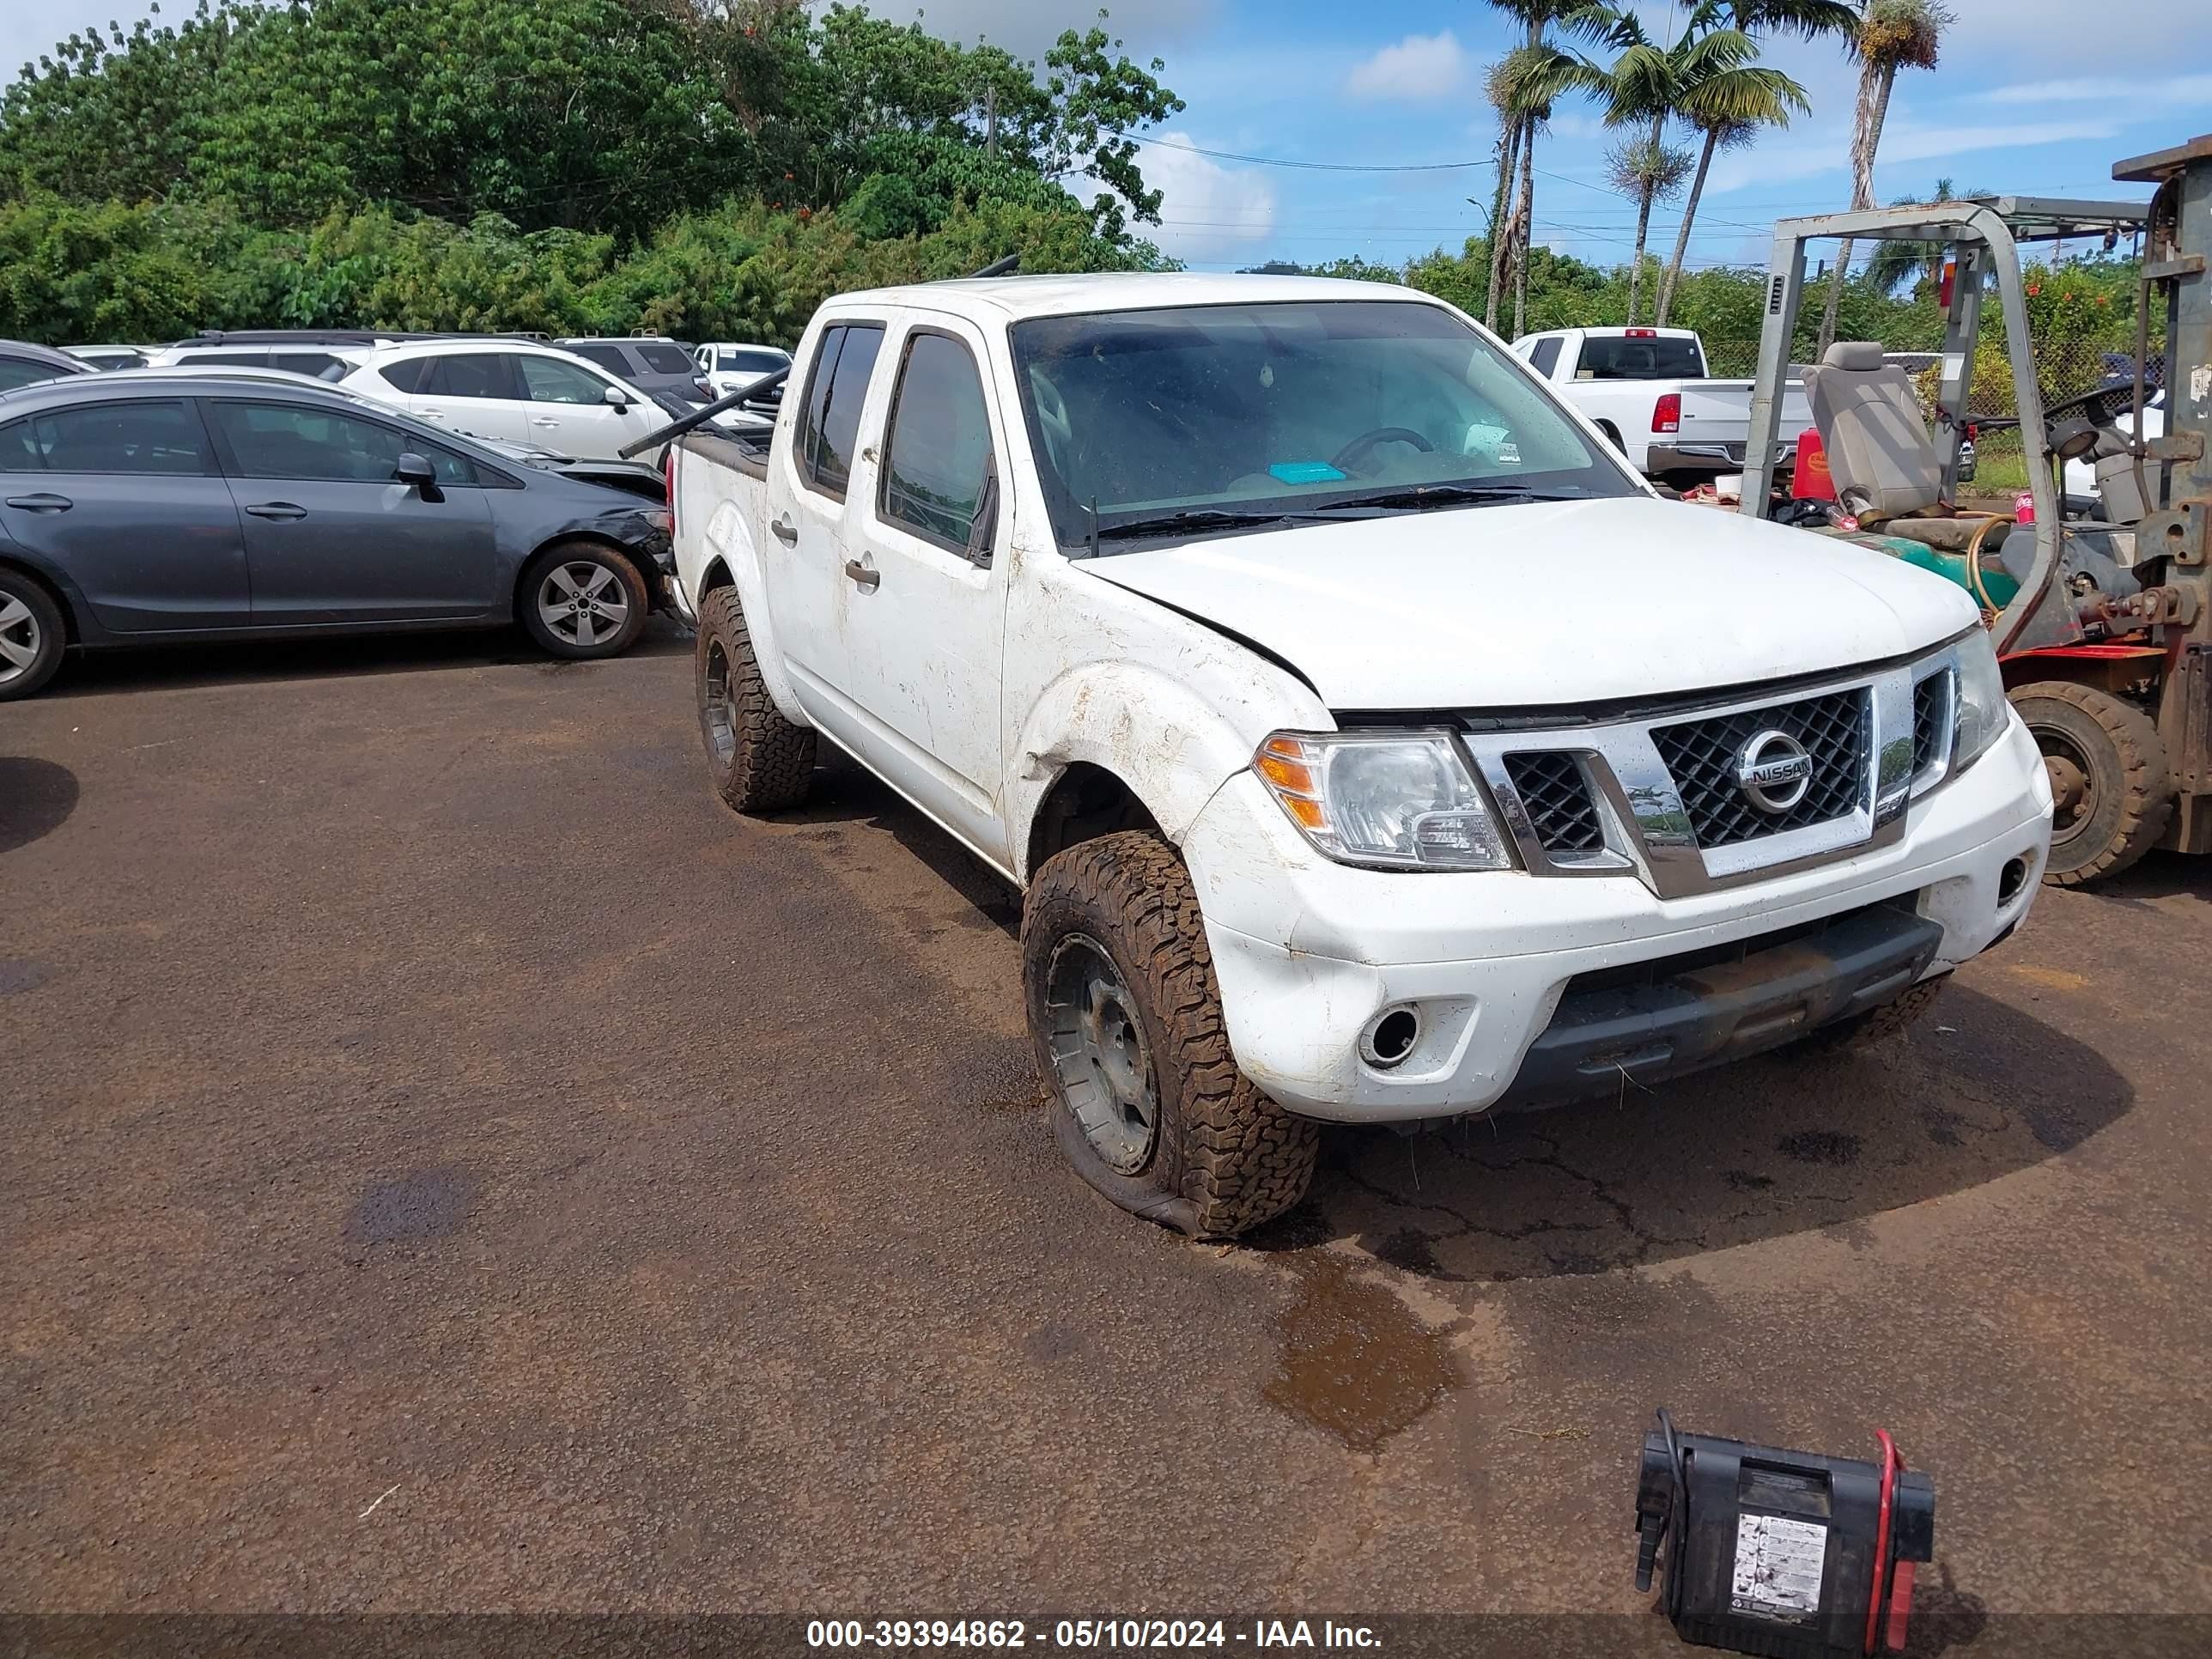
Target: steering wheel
column 1362, row 446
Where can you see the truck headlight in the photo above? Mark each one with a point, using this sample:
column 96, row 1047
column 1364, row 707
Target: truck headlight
column 1397, row 800
column 1983, row 710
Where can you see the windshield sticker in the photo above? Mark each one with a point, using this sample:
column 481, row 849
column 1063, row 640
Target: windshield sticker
column 1305, row 472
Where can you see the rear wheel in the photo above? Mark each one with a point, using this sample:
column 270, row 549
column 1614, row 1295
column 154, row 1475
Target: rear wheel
column 759, row 761
column 1143, row 1094
column 31, row 637
column 2111, row 795
column 582, row 601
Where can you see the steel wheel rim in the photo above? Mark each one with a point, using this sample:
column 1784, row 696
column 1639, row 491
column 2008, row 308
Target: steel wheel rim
column 721, row 704
column 582, row 602
column 2061, row 755
column 19, row 639
column 1100, row 1058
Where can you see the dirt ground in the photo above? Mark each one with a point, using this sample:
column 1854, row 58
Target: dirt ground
column 453, row 1165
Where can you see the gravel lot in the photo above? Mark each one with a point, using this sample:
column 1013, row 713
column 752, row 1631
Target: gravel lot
column 453, row 1165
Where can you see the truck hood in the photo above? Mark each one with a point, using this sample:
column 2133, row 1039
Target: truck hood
column 1556, row 603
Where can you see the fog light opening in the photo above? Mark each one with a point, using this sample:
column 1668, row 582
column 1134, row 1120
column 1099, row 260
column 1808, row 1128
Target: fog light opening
column 2010, row 882
column 1389, row 1037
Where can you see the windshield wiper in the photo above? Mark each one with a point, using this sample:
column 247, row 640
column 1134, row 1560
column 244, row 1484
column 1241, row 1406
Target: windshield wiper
column 1190, row 518
column 1451, row 495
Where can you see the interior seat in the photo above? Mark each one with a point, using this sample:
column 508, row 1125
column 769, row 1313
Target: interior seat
column 1885, row 466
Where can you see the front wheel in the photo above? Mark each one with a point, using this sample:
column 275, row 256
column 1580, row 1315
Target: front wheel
column 1143, row 1094
column 2111, row 795
column 582, row 601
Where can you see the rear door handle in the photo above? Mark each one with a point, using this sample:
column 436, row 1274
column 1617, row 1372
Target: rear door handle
column 42, row 502
column 786, row 531
column 278, row 510
column 866, row 577
column 543, row 420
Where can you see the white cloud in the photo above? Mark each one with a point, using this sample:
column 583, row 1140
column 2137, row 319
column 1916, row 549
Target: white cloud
column 1419, row 68
column 1207, row 211
column 1028, row 28
column 1804, row 159
column 2132, row 95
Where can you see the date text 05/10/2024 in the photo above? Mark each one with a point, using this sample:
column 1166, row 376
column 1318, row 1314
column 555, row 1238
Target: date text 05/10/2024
column 1086, row 1634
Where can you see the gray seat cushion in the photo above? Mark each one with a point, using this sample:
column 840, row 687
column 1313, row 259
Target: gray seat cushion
column 1883, row 461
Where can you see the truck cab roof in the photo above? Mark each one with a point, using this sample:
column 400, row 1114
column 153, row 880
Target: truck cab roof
column 1010, row 299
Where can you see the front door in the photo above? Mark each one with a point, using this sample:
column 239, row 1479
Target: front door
column 332, row 536
column 567, row 409
column 924, row 633
column 126, row 499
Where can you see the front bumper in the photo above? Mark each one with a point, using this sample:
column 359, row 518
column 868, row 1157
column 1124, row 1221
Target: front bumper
column 1308, row 951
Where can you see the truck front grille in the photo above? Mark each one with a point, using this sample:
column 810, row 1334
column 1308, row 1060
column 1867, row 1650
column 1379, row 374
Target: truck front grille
column 1701, row 756
column 1931, row 700
column 1558, row 800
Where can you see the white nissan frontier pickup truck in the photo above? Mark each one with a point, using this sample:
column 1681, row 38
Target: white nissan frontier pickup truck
column 1370, row 744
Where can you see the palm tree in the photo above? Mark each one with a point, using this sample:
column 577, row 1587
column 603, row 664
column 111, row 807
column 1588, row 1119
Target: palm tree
column 1522, row 87
column 1650, row 83
column 1731, row 104
column 1894, row 263
column 1891, row 35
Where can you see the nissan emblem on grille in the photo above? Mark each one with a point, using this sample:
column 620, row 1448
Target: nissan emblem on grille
column 1774, row 771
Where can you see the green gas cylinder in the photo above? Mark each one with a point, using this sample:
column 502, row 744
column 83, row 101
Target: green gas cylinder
column 1996, row 582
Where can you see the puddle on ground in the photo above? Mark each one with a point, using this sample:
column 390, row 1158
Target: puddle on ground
column 427, row 1203
column 1355, row 1362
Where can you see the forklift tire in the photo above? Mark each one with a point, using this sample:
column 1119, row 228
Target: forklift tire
column 1875, row 1024
column 759, row 762
column 1143, row 1093
column 2112, row 793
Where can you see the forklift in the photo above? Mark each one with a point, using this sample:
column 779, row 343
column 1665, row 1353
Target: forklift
column 2101, row 609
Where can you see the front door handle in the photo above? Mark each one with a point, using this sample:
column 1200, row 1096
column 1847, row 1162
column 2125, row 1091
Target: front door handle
column 543, row 420
column 42, row 502
column 786, row 531
column 866, row 577
column 278, row 510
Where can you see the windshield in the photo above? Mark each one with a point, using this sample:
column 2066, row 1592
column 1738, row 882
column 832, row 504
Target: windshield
column 749, row 361
column 1210, row 418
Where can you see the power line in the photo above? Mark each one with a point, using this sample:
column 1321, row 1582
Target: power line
column 1313, row 167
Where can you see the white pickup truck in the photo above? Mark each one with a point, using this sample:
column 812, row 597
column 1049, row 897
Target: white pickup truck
column 1648, row 390
column 1369, row 744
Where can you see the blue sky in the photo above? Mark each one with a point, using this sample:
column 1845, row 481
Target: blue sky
column 2033, row 96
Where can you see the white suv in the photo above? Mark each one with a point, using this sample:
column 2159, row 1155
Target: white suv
column 510, row 389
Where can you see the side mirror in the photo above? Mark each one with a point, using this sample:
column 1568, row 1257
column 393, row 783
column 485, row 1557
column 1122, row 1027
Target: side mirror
column 616, row 396
column 416, row 472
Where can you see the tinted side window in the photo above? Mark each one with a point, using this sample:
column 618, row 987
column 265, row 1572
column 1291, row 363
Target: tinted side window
column 22, row 371
column 835, row 419
column 226, row 359
column 137, row 438
column 1546, row 357
column 550, row 380
column 472, row 375
column 938, row 451
column 665, row 359
column 289, row 440
column 19, row 449
column 409, row 375
column 606, row 357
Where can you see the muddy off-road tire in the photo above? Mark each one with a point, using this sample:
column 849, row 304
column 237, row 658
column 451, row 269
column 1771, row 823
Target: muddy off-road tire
column 1143, row 1093
column 759, row 761
column 2113, row 795
column 1875, row 1024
